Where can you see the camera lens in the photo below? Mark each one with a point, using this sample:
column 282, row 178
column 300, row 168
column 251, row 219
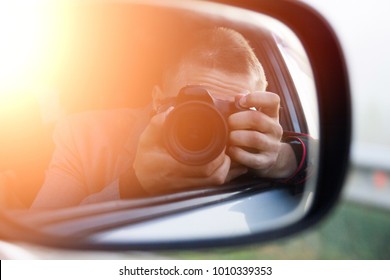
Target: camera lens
column 195, row 133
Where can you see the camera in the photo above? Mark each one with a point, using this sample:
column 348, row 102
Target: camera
column 196, row 130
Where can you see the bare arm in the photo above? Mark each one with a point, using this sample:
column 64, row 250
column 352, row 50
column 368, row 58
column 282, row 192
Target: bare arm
column 63, row 185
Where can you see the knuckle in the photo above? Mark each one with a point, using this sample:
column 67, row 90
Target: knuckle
column 255, row 139
column 279, row 131
column 258, row 164
column 276, row 98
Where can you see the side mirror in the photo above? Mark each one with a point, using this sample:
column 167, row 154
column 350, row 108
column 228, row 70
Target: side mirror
column 107, row 51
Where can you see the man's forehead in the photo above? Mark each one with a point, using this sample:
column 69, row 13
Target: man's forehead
column 215, row 80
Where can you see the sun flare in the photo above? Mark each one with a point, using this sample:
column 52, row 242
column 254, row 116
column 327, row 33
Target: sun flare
column 23, row 35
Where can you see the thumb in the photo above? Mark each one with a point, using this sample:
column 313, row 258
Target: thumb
column 158, row 120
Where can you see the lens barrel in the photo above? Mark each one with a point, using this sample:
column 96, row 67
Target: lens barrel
column 195, row 132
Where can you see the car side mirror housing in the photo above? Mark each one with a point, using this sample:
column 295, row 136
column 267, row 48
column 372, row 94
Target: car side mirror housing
column 124, row 225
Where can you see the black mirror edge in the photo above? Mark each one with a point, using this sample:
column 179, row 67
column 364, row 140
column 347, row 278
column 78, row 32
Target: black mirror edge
column 330, row 72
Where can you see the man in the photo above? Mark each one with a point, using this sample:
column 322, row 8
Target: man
column 119, row 153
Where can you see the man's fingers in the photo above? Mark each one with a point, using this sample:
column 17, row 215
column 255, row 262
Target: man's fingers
column 252, row 139
column 254, row 161
column 217, row 178
column 266, row 102
column 153, row 130
column 255, row 120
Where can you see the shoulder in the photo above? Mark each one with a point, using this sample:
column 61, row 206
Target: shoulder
column 100, row 119
column 98, row 125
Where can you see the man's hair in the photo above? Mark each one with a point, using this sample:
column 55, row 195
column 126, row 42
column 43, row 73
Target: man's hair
column 218, row 48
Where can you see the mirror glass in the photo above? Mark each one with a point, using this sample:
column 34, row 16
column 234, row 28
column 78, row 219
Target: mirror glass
column 142, row 121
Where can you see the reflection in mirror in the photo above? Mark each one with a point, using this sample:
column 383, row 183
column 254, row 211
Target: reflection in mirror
column 152, row 117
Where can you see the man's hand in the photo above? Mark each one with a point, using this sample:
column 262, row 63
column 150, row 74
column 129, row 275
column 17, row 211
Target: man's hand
column 255, row 137
column 158, row 172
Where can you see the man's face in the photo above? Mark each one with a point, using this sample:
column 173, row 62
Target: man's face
column 221, row 85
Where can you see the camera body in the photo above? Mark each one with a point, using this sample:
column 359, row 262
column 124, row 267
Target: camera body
column 196, row 130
